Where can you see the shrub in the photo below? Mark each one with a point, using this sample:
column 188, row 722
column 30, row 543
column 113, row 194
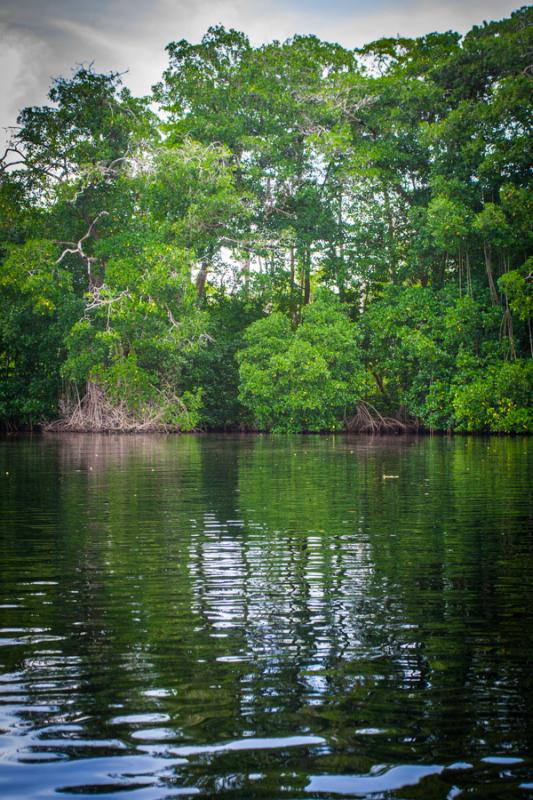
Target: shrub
column 303, row 380
column 497, row 401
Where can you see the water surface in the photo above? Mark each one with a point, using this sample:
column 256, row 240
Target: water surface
column 265, row 617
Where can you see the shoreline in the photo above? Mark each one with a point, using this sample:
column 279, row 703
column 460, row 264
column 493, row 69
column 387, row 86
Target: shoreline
column 410, row 433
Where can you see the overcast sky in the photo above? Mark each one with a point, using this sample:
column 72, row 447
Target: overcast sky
column 41, row 39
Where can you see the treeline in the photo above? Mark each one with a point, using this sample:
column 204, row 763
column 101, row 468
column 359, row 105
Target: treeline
column 294, row 237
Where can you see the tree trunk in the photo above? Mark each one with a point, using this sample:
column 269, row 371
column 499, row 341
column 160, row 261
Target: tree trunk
column 340, row 268
column 307, row 276
column 507, row 329
column 391, row 236
column 291, row 260
column 246, row 273
column 201, row 279
column 468, row 275
column 293, row 291
column 494, row 296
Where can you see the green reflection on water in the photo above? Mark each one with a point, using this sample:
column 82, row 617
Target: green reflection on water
column 166, row 596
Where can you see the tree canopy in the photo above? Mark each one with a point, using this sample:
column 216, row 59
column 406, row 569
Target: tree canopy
column 290, row 237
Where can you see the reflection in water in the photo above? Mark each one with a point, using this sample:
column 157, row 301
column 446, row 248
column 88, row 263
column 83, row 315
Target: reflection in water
column 265, row 616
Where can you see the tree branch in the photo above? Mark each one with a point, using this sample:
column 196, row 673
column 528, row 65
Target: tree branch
column 79, row 247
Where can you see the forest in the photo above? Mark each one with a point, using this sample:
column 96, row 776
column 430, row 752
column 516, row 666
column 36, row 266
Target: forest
column 293, row 237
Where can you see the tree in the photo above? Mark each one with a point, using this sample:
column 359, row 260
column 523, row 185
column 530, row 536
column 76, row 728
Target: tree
column 307, row 380
column 355, row 223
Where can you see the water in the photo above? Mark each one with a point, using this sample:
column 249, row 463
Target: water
column 257, row 617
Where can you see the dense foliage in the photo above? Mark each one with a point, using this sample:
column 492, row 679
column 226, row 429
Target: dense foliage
column 301, row 238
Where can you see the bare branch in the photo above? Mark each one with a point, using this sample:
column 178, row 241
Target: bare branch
column 79, row 247
column 98, row 301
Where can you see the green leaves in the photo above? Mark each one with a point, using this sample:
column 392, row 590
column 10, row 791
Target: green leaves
column 518, row 287
column 498, row 400
column 307, row 380
column 139, row 254
column 448, row 223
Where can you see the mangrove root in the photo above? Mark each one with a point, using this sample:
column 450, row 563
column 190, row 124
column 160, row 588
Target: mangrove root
column 96, row 413
column 369, row 420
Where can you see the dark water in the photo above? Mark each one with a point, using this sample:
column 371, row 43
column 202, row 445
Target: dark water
column 266, row 617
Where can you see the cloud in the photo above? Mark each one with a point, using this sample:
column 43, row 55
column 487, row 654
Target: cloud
column 21, row 57
column 98, row 40
column 43, row 40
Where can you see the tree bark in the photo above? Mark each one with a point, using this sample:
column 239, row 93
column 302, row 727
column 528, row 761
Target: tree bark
column 201, row 279
column 307, row 276
column 494, row 296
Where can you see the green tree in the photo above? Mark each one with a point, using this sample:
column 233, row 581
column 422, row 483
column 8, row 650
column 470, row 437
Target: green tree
column 310, row 379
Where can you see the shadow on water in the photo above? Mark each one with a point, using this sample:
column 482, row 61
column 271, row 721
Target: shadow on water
column 265, row 616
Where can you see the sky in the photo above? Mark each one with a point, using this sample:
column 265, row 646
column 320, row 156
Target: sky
column 42, row 39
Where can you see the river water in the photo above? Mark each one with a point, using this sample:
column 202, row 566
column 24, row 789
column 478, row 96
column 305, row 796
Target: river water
column 266, row 617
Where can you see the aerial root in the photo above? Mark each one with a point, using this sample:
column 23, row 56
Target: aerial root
column 95, row 413
column 369, row 420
